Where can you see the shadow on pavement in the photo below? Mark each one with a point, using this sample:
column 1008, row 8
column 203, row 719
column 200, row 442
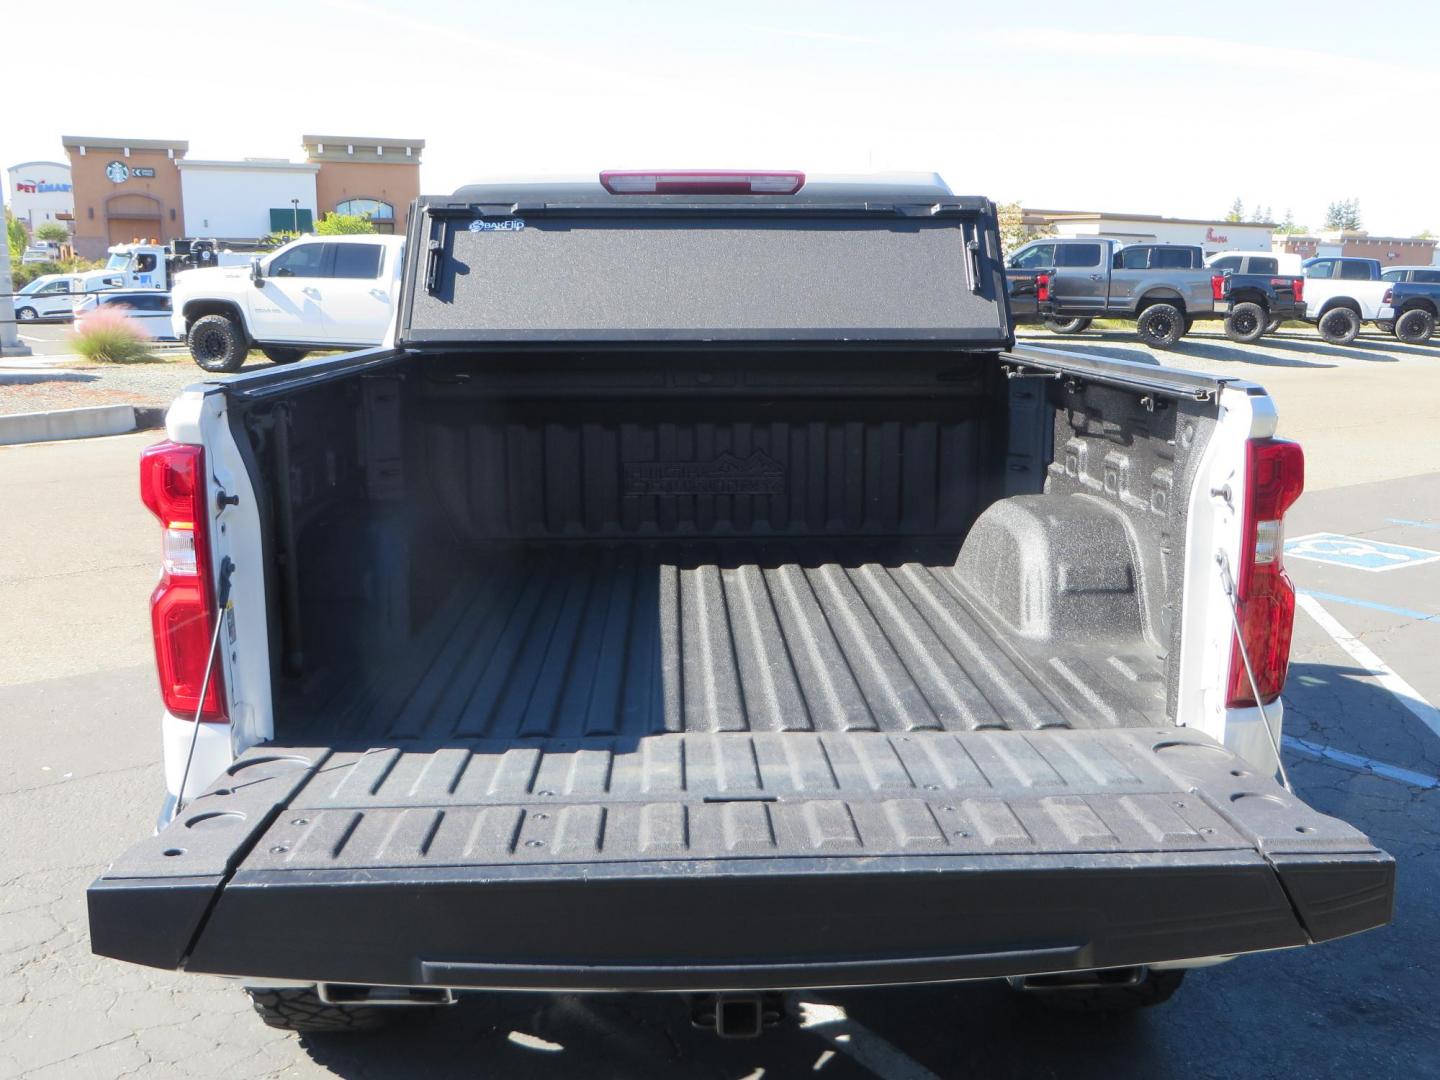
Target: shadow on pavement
column 981, row 1029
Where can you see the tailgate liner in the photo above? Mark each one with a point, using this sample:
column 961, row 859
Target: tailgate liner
column 918, row 857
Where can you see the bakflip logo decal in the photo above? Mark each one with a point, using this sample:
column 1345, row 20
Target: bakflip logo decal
column 508, row 225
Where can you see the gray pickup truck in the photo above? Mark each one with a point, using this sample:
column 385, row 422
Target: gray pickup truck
column 1163, row 287
column 700, row 593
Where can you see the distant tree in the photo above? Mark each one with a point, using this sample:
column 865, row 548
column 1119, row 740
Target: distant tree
column 1343, row 215
column 1425, row 234
column 15, row 236
column 344, row 224
column 1260, row 213
column 1237, row 210
column 1013, row 230
column 1288, row 226
column 54, row 232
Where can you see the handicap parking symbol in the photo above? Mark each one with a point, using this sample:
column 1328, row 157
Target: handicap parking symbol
column 1357, row 553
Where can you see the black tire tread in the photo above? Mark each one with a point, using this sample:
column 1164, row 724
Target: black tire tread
column 1330, row 318
column 1068, row 326
column 281, row 354
column 234, row 357
column 1244, row 310
column 1156, row 341
column 301, row 1010
column 1415, row 327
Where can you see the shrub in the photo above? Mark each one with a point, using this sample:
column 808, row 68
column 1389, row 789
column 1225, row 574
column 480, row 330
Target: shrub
column 344, row 225
column 24, row 273
column 109, row 336
column 54, row 232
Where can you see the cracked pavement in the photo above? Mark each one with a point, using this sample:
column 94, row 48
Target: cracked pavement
column 80, row 780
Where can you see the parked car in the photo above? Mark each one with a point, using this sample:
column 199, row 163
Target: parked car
column 1343, row 293
column 315, row 292
column 1416, row 304
column 666, row 609
column 1162, row 287
column 41, row 251
column 147, row 307
column 48, row 297
column 1261, row 290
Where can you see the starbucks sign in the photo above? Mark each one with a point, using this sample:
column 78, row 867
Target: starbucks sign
column 117, row 172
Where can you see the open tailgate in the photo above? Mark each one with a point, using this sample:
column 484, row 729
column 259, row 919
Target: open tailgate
column 736, row 860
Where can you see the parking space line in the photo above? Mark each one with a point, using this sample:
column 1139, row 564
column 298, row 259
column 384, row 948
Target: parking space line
column 1416, row 524
column 1380, row 671
column 858, row 1042
column 1360, row 763
column 1407, row 613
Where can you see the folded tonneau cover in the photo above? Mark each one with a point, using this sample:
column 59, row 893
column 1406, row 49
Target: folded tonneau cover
column 692, row 861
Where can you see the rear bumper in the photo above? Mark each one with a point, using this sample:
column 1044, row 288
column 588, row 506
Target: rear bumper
column 992, row 854
column 1287, row 310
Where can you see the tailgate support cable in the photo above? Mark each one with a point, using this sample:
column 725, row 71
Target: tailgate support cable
column 222, row 605
column 1227, row 582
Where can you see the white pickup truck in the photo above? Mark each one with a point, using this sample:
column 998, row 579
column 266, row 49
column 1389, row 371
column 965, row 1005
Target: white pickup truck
column 1343, row 293
column 699, row 592
column 315, row 292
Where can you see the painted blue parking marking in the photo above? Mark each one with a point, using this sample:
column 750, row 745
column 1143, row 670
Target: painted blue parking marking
column 1389, row 609
column 1356, row 552
column 1415, row 524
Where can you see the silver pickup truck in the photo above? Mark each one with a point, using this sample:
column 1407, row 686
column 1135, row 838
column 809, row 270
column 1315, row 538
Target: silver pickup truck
column 1163, row 287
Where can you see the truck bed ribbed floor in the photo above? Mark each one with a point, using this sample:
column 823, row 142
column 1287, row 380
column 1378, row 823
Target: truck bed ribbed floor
column 626, row 640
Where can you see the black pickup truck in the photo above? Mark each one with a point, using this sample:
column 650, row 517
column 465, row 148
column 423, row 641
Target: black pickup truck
column 1416, row 304
column 701, row 593
column 1165, row 288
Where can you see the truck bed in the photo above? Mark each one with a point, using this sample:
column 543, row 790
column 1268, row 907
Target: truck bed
column 590, row 641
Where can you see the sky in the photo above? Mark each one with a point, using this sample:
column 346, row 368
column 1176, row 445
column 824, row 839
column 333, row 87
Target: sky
column 1133, row 107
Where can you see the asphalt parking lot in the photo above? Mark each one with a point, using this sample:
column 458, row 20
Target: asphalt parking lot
column 80, row 779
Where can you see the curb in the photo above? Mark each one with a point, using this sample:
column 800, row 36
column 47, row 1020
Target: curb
column 84, row 423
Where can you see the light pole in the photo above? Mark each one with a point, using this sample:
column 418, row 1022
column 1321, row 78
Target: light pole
column 295, row 210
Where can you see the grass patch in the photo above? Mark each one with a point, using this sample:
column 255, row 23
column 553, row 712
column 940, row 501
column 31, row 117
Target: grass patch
column 108, row 336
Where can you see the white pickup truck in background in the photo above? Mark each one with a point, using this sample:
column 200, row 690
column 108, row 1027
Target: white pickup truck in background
column 315, row 292
column 1343, row 293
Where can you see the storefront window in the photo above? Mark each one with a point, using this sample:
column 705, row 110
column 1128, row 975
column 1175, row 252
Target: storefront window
column 373, row 209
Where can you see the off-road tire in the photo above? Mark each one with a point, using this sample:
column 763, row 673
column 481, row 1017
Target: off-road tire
column 1415, row 326
column 302, row 1010
column 217, row 343
column 1068, row 326
column 1156, row 988
column 1339, row 326
column 1273, row 325
column 1246, row 323
column 26, row 314
column 1385, row 326
column 278, row 354
column 1160, row 325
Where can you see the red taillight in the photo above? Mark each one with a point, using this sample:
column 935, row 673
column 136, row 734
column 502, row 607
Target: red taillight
column 701, row 182
column 182, row 607
column 1298, row 284
column 1217, row 287
column 1389, row 297
column 1265, row 599
column 1042, row 287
